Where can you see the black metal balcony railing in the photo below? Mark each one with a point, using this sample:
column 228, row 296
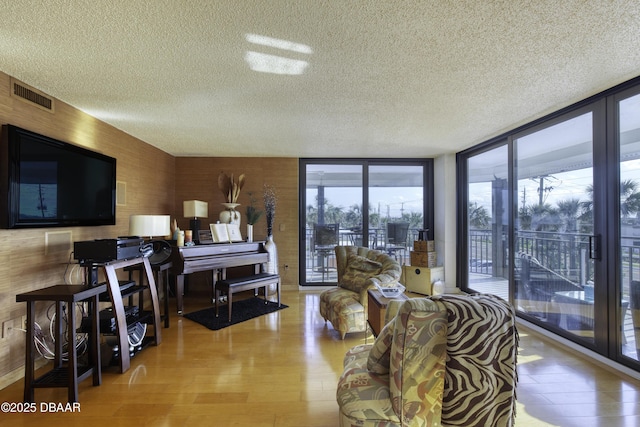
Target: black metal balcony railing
column 377, row 237
column 480, row 251
column 564, row 253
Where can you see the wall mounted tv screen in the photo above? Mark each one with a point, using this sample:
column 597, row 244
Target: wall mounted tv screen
column 50, row 183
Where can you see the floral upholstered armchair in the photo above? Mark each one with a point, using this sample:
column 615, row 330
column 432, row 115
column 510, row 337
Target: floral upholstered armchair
column 359, row 269
column 447, row 360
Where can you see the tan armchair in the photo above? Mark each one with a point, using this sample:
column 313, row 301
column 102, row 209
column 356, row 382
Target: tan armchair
column 447, row 360
column 359, row 269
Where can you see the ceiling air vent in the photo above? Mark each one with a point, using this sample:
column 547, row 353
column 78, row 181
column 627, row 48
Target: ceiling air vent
column 32, row 96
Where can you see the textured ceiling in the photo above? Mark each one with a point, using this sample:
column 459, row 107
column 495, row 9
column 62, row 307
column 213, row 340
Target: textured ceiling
column 384, row 79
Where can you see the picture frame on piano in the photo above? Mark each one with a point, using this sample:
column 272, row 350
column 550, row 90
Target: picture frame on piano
column 205, row 237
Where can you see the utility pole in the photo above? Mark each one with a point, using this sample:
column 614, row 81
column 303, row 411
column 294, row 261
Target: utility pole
column 542, row 190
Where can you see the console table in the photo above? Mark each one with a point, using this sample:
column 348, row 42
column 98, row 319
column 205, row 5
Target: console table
column 73, row 373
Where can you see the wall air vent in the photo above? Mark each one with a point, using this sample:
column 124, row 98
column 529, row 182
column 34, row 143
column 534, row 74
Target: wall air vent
column 31, row 95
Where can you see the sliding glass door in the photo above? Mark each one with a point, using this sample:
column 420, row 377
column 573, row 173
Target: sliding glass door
column 488, row 222
column 371, row 203
column 332, row 216
column 628, row 300
column 555, row 234
column 567, row 252
column 396, row 208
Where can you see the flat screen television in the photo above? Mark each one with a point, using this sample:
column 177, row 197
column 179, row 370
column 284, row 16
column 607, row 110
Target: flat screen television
column 50, row 183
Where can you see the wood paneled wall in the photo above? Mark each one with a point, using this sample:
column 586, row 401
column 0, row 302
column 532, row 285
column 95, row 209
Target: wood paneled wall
column 25, row 262
column 197, row 179
column 154, row 182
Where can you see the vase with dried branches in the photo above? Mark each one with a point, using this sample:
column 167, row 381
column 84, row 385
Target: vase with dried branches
column 270, row 202
column 231, row 191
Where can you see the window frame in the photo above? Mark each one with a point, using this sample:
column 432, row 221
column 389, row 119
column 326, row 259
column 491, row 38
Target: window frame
column 366, row 163
column 606, row 215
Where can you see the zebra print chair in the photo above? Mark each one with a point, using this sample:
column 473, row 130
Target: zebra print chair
column 445, row 360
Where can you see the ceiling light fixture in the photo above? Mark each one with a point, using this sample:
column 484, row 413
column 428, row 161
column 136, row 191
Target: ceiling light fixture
column 273, row 64
column 276, row 64
column 278, row 43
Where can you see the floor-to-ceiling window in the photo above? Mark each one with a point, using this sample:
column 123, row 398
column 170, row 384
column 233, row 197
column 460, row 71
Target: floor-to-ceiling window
column 549, row 219
column 487, row 221
column 379, row 204
column 554, row 235
column 626, row 108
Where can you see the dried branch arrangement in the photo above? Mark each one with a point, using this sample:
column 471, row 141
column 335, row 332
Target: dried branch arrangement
column 229, row 188
column 270, row 202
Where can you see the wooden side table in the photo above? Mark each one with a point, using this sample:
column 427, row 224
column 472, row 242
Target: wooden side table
column 377, row 308
column 70, row 375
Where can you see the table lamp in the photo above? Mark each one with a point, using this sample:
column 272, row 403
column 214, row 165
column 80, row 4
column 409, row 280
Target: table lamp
column 195, row 209
column 149, row 225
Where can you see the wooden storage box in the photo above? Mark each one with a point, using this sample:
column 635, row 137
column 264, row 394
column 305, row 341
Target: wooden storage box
column 424, row 245
column 377, row 309
column 423, row 259
column 420, row 280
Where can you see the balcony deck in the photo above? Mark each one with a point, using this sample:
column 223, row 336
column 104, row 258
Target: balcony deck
column 484, row 283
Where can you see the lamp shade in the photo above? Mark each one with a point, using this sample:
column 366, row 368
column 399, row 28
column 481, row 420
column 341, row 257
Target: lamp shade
column 149, row 225
column 195, row 209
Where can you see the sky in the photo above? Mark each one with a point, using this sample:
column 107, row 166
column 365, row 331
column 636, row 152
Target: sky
column 566, row 185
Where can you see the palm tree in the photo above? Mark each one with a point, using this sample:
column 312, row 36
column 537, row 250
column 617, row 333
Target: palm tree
column 415, row 219
column 629, row 203
column 374, row 218
column 568, row 211
column 478, row 216
column 353, row 217
column 524, row 217
column 629, row 198
column 312, row 215
column 333, row 214
column 544, row 217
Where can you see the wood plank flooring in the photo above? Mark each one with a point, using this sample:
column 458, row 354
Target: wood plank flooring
column 281, row 370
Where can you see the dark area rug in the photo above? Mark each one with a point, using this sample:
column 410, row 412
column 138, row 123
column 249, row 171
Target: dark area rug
column 242, row 310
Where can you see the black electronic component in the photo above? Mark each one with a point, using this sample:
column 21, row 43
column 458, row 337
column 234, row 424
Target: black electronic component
column 105, row 250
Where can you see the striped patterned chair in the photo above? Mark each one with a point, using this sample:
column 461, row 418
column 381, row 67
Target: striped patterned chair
column 447, row 360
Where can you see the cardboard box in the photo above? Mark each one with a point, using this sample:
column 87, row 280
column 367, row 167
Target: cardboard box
column 424, row 245
column 423, row 259
column 420, row 280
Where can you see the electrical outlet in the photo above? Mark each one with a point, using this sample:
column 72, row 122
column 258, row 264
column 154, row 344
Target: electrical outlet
column 23, row 322
column 7, row 325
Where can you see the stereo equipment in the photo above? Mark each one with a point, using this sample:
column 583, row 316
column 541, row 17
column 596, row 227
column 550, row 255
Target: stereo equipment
column 108, row 321
column 105, row 250
column 124, row 285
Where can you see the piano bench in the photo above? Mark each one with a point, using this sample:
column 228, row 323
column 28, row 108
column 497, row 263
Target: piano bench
column 231, row 286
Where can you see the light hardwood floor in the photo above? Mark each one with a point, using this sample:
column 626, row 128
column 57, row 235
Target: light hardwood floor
column 281, row 370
